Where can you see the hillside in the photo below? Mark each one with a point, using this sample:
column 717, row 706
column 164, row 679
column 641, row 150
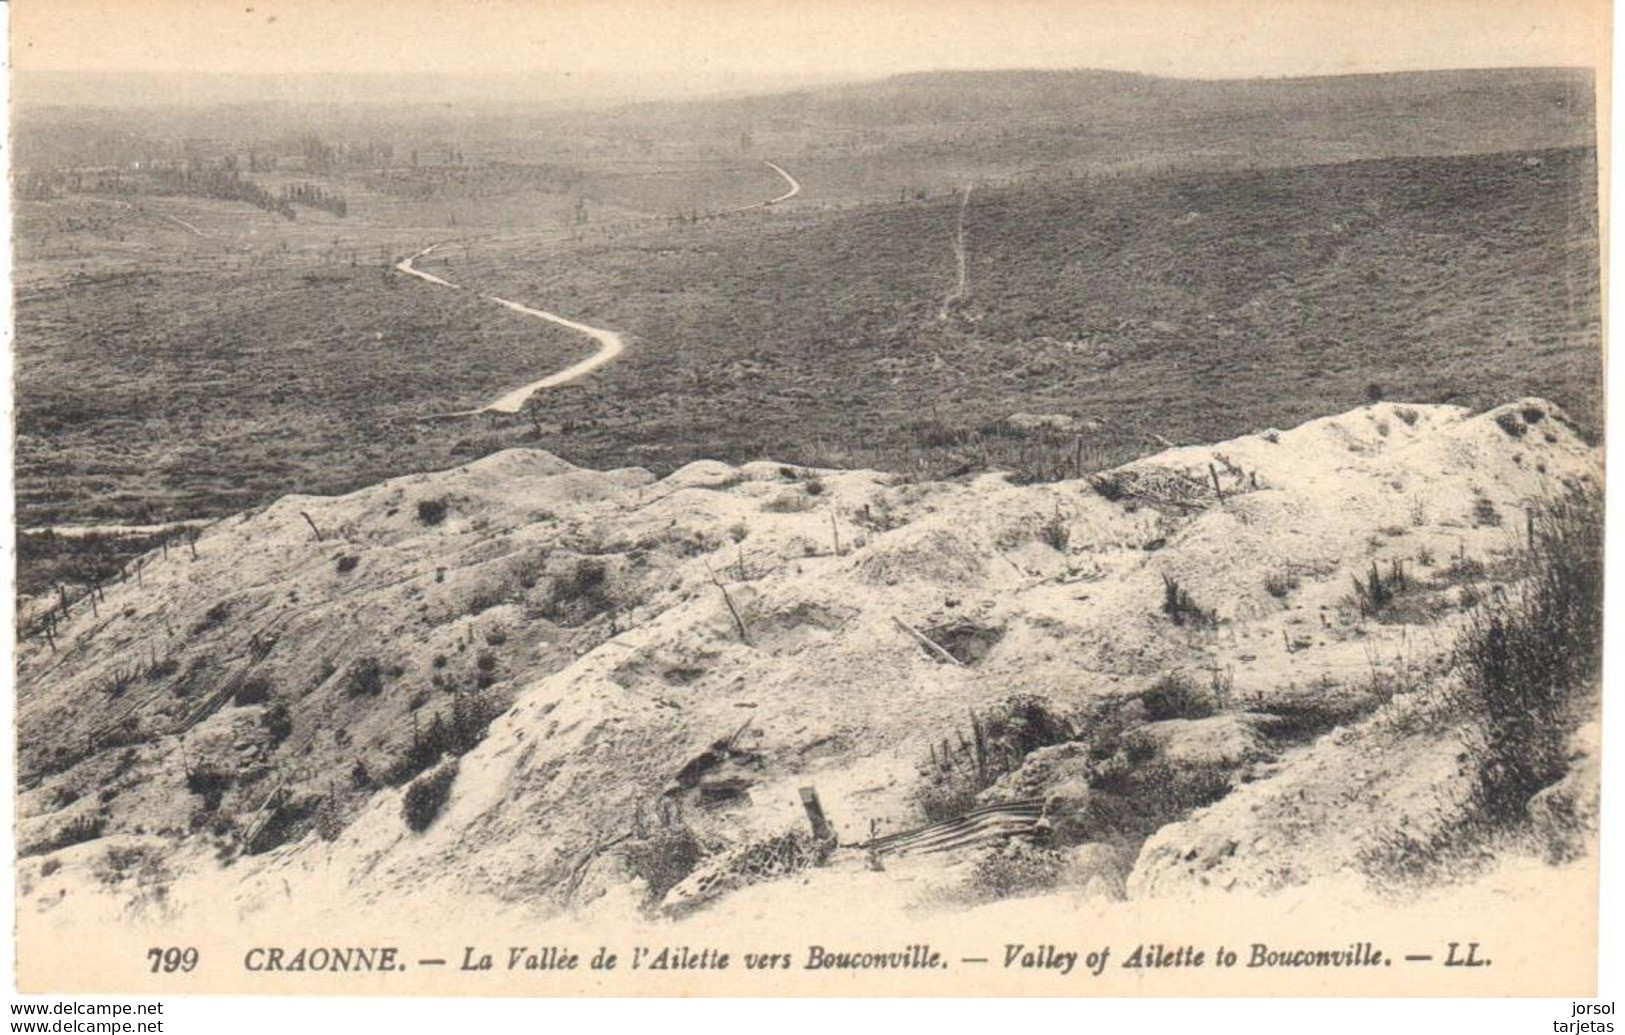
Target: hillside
column 635, row 675
column 1185, row 308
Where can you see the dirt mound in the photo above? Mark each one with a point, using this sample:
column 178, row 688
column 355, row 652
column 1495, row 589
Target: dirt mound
column 577, row 640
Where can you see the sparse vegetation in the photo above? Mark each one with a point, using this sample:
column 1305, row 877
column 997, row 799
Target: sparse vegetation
column 1377, row 593
column 580, row 594
column 1531, row 661
column 956, row 771
column 78, row 830
column 453, row 733
column 1181, row 609
column 1281, row 584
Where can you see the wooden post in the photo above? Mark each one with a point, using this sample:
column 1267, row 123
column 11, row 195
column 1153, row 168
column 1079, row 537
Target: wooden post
column 1213, row 472
column 821, row 829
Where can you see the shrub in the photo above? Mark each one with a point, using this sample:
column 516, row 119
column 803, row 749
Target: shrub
column 252, row 690
column 664, row 858
column 1376, row 594
column 431, row 512
column 347, row 563
column 209, row 782
column 580, row 593
column 1175, row 696
column 1178, row 605
column 1280, row 584
column 277, row 722
column 1527, row 660
column 427, row 796
column 1055, row 533
column 366, row 678
column 454, row 734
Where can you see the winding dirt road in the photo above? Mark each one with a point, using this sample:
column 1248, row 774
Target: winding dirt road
column 610, row 343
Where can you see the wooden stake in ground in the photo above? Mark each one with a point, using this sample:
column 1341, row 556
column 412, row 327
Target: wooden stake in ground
column 931, row 646
column 821, row 829
column 739, row 623
column 312, row 523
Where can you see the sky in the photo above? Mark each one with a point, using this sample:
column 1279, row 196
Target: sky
column 746, row 40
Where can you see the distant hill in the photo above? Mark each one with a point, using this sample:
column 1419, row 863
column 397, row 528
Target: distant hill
column 1101, row 117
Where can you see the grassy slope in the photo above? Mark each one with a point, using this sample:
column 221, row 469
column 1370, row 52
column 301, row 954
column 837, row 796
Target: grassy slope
column 1189, row 306
column 1192, row 306
column 281, row 381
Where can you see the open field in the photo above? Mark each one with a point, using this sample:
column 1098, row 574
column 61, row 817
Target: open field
column 1161, row 264
column 1188, row 307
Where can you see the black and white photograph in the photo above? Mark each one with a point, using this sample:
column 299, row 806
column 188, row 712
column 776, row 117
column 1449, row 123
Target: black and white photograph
column 648, row 498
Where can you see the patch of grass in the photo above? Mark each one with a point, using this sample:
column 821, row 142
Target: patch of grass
column 1055, row 533
column 1529, row 662
column 1377, row 592
column 1181, row 609
column 958, row 770
column 1014, row 869
column 78, row 830
column 1281, row 584
column 1177, row 696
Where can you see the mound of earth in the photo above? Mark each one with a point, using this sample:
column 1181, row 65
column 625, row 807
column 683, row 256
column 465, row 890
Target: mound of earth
column 637, row 676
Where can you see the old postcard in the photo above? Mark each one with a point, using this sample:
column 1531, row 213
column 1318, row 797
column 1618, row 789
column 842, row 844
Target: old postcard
column 1059, row 498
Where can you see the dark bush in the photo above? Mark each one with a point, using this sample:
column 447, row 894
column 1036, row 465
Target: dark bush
column 277, row 722
column 427, row 796
column 663, row 859
column 431, row 512
column 366, row 678
column 212, row 618
column 209, row 782
column 347, row 563
column 1175, row 696
column 455, row 733
column 252, row 690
